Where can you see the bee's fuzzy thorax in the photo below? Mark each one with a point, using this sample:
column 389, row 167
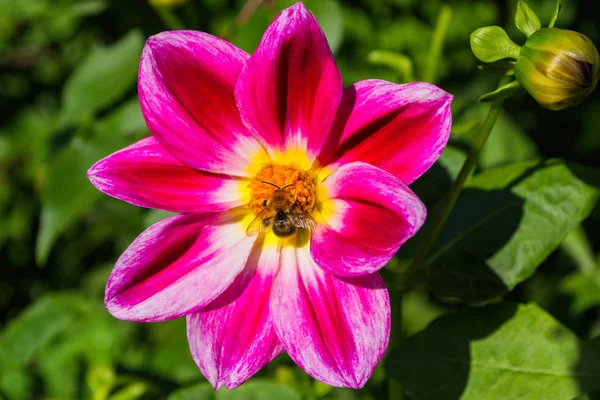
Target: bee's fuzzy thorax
column 301, row 186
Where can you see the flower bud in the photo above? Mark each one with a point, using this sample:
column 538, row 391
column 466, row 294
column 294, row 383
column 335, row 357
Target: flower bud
column 558, row 67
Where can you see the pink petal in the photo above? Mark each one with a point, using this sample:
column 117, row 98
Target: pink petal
column 177, row 266
column 233, row 337
column 371, row 214
column 290, row 88
column 186, row 83
column 146, row 175
column 402, row 129
column 335, row 329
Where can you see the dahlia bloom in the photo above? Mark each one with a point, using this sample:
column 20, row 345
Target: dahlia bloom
column 227, row 128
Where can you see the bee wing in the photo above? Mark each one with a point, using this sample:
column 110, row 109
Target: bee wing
column 303, row 220
column 259, row 224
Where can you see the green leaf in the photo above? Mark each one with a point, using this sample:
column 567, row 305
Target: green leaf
column 33, row 329
column 584, row 288
column 127, row 120
column 153, row 216
column 258, row 389
column 170, row 355
column 526, row 20
column 67, row 193
column 132, row 391
column 101, row 379
column 438, row 179
column 491, row 43
column 503, row 352
column 505, row 223
column 103, row 77
column 248, row 35
column 15, row 383
column 577, row 246
column 417, row 312
column 331, row 18
column 60, row 368
column 202, row 391
column 508, row 143
column 329, row 15
column 400, row 63
column 67, row 170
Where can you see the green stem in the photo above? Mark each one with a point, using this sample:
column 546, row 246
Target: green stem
column 417, row 266
column 555, row 14
column 437, row 43
column 168, row 17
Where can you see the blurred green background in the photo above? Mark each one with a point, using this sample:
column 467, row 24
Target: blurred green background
column 68, row 71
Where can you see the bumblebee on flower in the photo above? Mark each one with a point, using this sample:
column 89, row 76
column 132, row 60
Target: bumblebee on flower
column 322, row 171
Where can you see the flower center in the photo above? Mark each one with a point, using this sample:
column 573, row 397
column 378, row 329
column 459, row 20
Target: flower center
column 297, row 183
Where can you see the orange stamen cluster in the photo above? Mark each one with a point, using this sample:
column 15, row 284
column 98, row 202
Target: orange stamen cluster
column 302, row 189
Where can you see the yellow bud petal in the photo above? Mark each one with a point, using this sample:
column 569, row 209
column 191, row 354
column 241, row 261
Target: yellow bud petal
column 559, row 68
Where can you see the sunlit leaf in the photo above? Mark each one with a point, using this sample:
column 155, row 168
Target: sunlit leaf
column 170, row 356
column 60, row 367
column 491, row 43
column 67, row 172
column 103, row 77
column 330, row 16
column 503, row 352
column 126, row 120
column 38, row 325
column 526, row 19
column 202, row 391
column 505, row 223
column 508, row 143
column 258, row 389
column 67, row 193
column 417, row 312
column 16, row 383
column 584, row 288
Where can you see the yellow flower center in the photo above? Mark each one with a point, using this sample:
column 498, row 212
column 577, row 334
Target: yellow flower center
column 298, row 184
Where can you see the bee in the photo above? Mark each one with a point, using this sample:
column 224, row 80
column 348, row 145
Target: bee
column 282, row 213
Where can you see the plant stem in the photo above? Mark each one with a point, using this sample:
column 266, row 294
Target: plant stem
column 168, row 17
column 437, row 43
column 555, row 14
column 417, row 266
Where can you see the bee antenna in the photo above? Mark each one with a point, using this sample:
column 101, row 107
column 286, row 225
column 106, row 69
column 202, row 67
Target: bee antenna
column 272, row 184
column 291, row 184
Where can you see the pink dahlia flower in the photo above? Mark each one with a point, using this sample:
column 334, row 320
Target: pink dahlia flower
column 272, row 138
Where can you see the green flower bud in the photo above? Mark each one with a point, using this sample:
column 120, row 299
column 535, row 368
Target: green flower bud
column 559, row 68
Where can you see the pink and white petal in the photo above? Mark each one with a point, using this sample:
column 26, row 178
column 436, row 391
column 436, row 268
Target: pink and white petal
column 146, row 175
column 289, row 90
column 368, row 215
column 336, row 329
column 186, row 88
column 177, row 266
column 402, row 129
column 233, row 337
